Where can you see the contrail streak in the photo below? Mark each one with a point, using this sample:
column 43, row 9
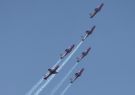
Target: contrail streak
column 63, row 64
column 63, row 80
column 44, row 85
column 35, row 86
column 66, row 89
column 40, row 81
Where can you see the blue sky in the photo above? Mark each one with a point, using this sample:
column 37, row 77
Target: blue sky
column 34, row 32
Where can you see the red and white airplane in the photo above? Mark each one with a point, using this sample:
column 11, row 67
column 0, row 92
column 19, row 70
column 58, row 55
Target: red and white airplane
column 77, row 75
column 83, row 54
column 96, row 10
column 67, row 51
column 51, row 71
column 88, row 32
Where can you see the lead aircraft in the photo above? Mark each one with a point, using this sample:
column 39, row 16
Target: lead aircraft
column 51, row 71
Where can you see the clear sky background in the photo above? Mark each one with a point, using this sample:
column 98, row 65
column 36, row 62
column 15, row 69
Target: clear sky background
column 34, row 32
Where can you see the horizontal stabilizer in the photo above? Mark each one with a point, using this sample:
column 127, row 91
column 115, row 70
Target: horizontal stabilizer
column 76, row 74
column 50, row 70
column 87, row 32
column 66, row 50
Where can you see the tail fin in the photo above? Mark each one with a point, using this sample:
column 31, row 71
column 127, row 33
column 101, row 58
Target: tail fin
column 61, row 56
column 71, row 81
column 82, row 38
column 45, row 78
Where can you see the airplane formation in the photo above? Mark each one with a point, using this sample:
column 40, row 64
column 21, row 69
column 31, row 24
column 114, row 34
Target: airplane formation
column 70, row 51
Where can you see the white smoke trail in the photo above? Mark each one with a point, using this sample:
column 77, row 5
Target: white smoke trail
column 66, row 89
column 63, row 80
column 63, row 64
column 44, row 85
column 35, row 86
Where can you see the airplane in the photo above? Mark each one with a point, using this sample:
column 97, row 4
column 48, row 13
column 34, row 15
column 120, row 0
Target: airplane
column 83, row 54
column 97, row 9
column 77, row 75
column 88, row 32
column 51, row 71
column 67, row 51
